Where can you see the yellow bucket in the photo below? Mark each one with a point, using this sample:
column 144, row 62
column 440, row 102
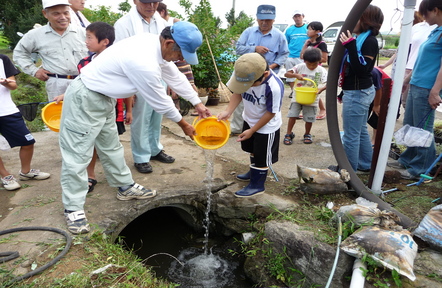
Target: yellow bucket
column 51, row 115
column 306, row 95
column 210, row 133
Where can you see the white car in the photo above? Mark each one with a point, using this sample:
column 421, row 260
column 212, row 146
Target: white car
column 331, row 35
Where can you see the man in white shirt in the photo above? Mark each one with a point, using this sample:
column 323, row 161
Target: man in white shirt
column 146, row 124
column 60, row 46
column 77, row 18
column 134, row 65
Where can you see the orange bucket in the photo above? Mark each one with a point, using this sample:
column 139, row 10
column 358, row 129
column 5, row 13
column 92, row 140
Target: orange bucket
column 306, row 95
column 51, row 115
column 210, row 133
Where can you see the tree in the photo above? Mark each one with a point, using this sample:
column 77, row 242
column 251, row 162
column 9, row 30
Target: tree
column 102, row 13
column 216, row 41
column 20, row 16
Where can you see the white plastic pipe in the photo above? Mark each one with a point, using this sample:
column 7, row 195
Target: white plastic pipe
column 357, row 277
column 398, row 80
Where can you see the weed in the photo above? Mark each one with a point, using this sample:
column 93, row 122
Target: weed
column 379, row 276
column 89, row 254
column 29, row 90
column 7, row 239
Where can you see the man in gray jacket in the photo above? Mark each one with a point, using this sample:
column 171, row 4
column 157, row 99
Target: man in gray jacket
column 60, row 46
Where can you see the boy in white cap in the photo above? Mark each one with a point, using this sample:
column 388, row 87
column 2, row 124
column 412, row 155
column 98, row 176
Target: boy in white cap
column 261, row 91
column 133, row 65
column 296, row 36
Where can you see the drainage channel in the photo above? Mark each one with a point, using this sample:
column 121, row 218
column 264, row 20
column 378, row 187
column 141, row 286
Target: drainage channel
column 171, row 241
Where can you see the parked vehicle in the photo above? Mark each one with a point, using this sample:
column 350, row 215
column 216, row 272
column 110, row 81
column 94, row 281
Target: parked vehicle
column 331, row 36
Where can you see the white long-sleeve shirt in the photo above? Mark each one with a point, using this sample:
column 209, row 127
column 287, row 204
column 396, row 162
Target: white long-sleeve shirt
column 135, row 66
column 60, row 54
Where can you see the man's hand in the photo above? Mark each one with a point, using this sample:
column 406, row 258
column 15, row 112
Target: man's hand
column 188, row 129
column 42, row 74
column 261, row 49
column 203, row 111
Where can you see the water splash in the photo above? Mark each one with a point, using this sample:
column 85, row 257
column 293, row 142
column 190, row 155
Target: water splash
column 201, row 270
column 206, row 269
column 210, row 157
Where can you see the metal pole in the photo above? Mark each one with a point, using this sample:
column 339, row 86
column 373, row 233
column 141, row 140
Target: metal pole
column 398, row 80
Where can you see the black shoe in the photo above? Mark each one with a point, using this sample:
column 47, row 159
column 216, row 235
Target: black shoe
column 363, row 171
column 334, row 168
column 143, row 167
column 163, row 157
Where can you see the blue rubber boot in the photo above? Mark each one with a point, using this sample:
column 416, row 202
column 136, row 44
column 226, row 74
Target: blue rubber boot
column 246, row 176
column 256, row 186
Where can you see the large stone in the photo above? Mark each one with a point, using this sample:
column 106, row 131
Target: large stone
column 311, row 257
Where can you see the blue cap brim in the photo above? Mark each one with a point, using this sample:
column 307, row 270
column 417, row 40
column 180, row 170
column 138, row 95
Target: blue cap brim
column 265, row 17
column 191, row 58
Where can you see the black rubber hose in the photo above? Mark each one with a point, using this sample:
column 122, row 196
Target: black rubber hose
column 8, row 256
column 332, row 116
column 47, row 265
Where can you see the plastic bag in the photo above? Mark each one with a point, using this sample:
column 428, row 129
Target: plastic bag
column 394, row 250
column 4, row 144
column 362, row 215
column 413, row 136
column 430, row 228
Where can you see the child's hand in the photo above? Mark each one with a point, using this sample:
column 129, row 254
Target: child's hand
column 5, row 81
column 244, row 135
column 59, row 98
column 299, row 77
column 223, row 116
column 128, row 119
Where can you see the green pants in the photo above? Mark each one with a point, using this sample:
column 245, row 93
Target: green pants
column 88, row 121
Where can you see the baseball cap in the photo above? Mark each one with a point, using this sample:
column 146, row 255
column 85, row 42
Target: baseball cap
column 51, row 3
column 189, row 38
column 248, row 68
column 150, row 1
column 298, row 12
column 266, row 12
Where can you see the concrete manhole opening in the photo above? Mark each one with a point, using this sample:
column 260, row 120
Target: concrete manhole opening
column 172, row 241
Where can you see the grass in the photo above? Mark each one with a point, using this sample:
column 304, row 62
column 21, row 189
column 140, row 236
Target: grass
column 87, row 254
column 4, row 43
column 29, row 90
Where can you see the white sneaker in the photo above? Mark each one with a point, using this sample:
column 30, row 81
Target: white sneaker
column 136, row 191
column 77, row 222
column 10, row 183
column 34, row 174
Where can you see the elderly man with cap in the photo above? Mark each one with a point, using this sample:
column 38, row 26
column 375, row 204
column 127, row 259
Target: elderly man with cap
column 133, row 65
column 261, row 91
column 296, row 36
column 265, row 40
column 77, row 18
column 60, row 46
column 146, row 124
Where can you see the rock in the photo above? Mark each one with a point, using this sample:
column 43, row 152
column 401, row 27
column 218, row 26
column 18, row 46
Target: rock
column 322, row 181
column 311, row 257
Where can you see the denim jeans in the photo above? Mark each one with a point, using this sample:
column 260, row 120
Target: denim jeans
column 357, row 143
column 418, row 159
